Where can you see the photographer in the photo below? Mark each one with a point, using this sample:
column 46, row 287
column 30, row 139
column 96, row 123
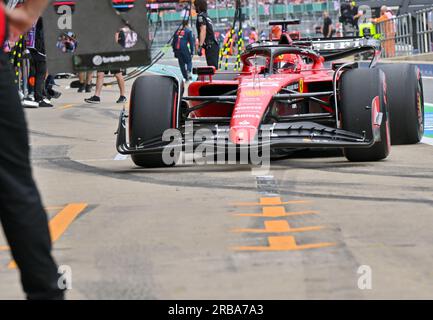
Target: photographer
column 206, row 35
column 22, row 214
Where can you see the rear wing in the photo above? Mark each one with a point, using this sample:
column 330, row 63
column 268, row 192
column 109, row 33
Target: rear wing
column 338, row 45
column 284, row 23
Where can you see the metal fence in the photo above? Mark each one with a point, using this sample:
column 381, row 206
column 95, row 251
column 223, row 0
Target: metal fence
column 309, row 12
column 407, row 34
column 396, row 36
column 424, row 30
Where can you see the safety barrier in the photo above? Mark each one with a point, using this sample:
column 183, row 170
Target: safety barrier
column 424, row 30
column 396, row 35
column 407, row 34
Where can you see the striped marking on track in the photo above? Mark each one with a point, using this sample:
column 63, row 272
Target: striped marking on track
column 59, row 223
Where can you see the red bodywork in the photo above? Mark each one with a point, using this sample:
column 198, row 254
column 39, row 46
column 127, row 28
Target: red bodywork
column 255, row 92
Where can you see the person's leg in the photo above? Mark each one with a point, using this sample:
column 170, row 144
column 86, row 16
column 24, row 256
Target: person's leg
column 89, row 76
column 212, row 56
column 82, row 78
column 40, row 72
column 22, row 215
column 99, row 83
column 182, row 66
column 121, row 83
column 189, row 65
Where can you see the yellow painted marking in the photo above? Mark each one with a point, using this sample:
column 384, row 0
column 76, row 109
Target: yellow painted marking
column 272, row 201
column 66, row 106
column 61, row 222
column 64, row 218
column 277, row 226
column 274, row 212
column 284, row 243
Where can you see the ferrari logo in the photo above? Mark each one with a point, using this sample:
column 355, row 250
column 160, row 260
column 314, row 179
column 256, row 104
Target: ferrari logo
column 301, row 85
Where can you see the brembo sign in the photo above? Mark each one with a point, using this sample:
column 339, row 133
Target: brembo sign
column 100, row 60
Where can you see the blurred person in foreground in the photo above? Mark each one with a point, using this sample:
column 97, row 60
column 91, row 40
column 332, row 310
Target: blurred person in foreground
column 183, row 48
column 22, row 214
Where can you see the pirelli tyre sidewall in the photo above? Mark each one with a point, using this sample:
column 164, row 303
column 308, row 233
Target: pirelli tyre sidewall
column 152, row 108
column 358, row 89
column 405, row 102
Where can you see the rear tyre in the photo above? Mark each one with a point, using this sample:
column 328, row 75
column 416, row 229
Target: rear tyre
column 405, row 102
column 358, row 89
column 152, row 111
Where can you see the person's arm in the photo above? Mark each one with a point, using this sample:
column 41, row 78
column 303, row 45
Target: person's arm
column 202, row 36
column 330, row 28
column 173, row 42
column 191, row 42
column 330, row 31
column 359, row 14
column 22, row 19
column 380, row 19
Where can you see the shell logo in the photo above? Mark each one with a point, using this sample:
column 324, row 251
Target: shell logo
column 301, row 85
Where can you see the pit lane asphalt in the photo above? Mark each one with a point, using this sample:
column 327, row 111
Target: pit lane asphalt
column 171, row 233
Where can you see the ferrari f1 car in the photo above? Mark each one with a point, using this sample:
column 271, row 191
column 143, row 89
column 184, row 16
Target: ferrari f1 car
column 305, row 94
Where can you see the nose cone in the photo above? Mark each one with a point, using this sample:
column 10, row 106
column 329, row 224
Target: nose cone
column 242, row 135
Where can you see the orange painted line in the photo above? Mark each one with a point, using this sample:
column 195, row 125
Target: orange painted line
column 269, row 202
column 265, row 201
column 284, row 243
column 66, row 106
column 274, row 212
column 278, row 226
column 4, row 248
column 61, row 222
column 64, row 218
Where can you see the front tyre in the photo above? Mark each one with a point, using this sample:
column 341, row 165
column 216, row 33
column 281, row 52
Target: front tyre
column 361, row 100
column 154, row 100
column 405, row 102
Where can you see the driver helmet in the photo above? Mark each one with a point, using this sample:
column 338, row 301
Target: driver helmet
column 288, row 61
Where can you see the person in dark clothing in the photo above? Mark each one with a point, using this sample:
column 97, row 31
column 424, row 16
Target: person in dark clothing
column 183, row 48
column 22, row 214
column 357, row 13
column 327, row 29
column 347, row 18
column 206, row 35
column 39, row 62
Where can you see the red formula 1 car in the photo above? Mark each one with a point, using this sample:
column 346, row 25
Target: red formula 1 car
column 296, row 94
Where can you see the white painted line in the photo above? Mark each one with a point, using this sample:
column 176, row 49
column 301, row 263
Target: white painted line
column 121, row 157
column 427, row 141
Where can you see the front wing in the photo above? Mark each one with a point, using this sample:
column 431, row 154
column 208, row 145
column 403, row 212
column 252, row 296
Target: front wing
column 303, row 134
